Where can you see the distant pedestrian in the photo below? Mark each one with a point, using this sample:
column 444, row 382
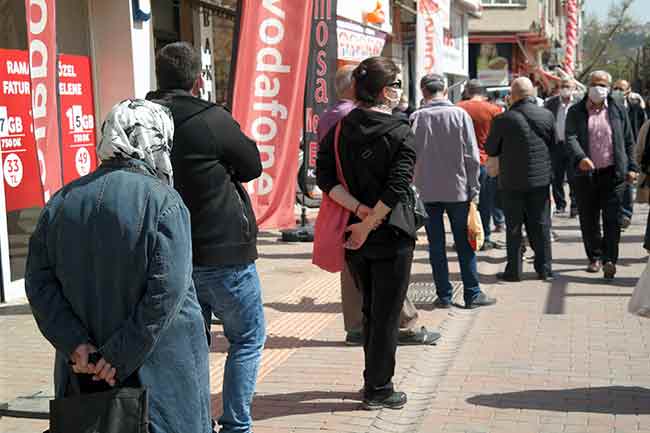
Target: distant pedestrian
column 524, row 138
column 562, row 170
column 109, row 270
column 211, row 159
column 635, row 107
column 447, row 174
column 483, row 114
column 377, row 158
column 601, row 145
column 351, row 296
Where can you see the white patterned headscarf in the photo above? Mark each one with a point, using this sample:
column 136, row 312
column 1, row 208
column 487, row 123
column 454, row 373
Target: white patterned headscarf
column 142, row 130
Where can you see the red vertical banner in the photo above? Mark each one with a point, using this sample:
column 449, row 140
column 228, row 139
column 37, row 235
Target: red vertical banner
column 41, row 33
column 269, row 99
column 20, row 170
column 77, row 117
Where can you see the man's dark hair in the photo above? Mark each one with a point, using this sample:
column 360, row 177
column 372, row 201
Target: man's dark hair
column 177, row 66
column 474, row 88
column 432, row 84
column 370, row 78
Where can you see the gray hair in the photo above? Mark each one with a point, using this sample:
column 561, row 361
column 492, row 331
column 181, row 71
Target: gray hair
column 601, row 74
column 343, row 80
column 522, row 87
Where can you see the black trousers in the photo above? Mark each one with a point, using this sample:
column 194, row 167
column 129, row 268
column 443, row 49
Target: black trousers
column 384, row 282
column 600, row 195
column 532, row 208
column 562, row 170
column 646, row 244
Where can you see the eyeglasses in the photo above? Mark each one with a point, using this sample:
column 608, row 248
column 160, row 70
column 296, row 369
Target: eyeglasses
column 395, row 84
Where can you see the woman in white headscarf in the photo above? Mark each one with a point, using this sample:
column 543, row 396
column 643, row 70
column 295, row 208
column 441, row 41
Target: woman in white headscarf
column 110, row 271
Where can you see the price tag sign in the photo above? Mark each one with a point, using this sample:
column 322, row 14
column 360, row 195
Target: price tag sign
column 20, row 169
column 78, row 120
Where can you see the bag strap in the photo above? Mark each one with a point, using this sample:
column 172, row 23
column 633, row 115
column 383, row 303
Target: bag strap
column 531, row 125
column 339, row 168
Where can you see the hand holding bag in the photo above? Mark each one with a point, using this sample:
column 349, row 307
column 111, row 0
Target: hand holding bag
column 110, row 410
column 640, row 300
column 409, row 214
column 475, row 233
column 331, row 222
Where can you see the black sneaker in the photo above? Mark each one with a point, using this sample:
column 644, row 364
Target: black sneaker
column 443, row 305
column 354, row 338
column 609, row 270
column 482, row 300
column 396, row 400
column 545, row 276
column 507, row 277
column 421, row 337
column 626, row 222
column 560, row 211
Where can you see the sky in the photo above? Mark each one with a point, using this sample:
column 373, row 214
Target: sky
column 640, row 9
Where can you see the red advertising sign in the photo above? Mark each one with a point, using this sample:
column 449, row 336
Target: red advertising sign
column 19, row 161
column 77, row 117
column 270, row 89
column 41, row 32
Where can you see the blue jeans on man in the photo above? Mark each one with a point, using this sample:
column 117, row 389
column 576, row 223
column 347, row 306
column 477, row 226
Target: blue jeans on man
column 233, row 294
column 435, row 226
column 487, row 201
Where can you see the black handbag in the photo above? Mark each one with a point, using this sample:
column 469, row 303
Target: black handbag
column 409, row 214
column 101, row 410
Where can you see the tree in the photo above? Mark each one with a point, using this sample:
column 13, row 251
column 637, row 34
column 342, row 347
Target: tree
column 599, row 47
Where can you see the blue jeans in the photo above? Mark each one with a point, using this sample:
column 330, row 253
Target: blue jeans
column 627, row 209
column 435, row 227
column 487, row 200
column 233, row 294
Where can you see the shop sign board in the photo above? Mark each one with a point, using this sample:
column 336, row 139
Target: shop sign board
column 272, row 61
column 356, row 42
column 429, row 40
column 41, row 35
column 455, row 48
column 372, row 13
column 77, row 117
column 19, row 160
column 492, row 69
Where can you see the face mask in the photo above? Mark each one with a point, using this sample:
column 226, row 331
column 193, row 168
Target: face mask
column 597, row 94
column 392, row 97
column 619, row 95
column 566, row 93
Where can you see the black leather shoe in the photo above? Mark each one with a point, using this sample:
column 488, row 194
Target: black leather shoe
column 507, row 277
column 482, row 300
column 609, row 270
column 396, row 400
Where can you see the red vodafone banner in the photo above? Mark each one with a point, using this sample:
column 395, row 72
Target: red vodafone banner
column 19, row 161
column 269, row 99
column 77, row 117
column 41, row 32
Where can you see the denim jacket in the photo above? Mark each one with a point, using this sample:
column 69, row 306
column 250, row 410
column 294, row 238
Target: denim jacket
column 110, row 263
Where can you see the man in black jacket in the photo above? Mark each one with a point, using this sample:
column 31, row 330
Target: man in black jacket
column 211, row 158
column 601, row 145
column 634, row 105
column 523, row 138
column 559, row 105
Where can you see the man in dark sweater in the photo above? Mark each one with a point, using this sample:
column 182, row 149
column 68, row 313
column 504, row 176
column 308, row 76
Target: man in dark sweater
column 523, row 139
column 211, row 158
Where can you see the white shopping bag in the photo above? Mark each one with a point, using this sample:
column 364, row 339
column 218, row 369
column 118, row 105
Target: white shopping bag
column 640, row 301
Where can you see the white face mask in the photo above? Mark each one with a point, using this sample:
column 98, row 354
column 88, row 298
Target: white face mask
column 392, row 97
column 598, row 94
column 566, row 93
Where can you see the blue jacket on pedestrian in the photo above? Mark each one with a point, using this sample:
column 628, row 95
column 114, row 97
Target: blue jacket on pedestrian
column 110, row 264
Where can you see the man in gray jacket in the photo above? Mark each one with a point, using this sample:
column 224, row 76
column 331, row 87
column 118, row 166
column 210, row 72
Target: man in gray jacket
column 447, row 174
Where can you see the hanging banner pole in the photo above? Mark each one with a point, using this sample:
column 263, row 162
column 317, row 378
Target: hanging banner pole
column 41, row 32
column 269, row 102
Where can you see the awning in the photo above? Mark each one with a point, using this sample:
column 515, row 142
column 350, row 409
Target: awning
column 472, row 7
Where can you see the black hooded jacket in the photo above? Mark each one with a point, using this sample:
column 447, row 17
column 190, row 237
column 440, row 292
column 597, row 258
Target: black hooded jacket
column 211, row 157
column 377, row 153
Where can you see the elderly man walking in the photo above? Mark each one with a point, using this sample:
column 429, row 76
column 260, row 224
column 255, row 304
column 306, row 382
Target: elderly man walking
column 524, row 138
column 447, row 173
column 559, row 105
column 601, row 145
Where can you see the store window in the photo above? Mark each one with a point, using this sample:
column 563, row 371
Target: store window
column 20, row 167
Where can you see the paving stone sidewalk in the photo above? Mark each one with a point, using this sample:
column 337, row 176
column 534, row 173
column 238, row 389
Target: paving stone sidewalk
column 560, row 357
